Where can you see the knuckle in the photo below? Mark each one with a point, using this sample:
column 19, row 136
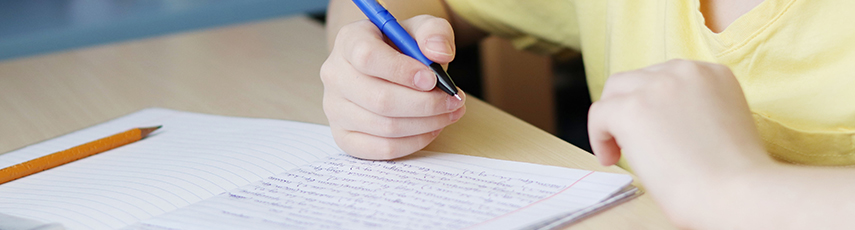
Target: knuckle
column 362, row 54
column 404, row 71
column 387, row 149
column 637, row 105
column 387, row 127
column 686, row 67
column 666, row 85
column 344, row 34
column 340, row 37
column 381, row 103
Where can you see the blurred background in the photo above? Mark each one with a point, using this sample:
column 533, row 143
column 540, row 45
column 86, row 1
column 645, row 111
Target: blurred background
column 29, row 27
column 558, row 103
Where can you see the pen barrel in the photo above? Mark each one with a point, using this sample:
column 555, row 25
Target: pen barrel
column 387, row 24
column 402, row 39
column 405, row 43
column 62, row 157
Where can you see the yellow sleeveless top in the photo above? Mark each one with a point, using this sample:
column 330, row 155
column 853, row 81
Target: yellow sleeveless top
column 795, row 59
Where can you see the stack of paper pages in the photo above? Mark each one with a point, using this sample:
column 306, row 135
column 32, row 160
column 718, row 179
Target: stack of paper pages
column 215, row 172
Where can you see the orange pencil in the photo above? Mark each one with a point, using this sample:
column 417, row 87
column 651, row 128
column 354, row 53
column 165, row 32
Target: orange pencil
column 62, row 157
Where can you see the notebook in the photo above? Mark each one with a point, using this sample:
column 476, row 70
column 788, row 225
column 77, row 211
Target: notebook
column 205, row 171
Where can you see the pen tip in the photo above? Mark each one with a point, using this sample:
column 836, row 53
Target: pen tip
column 458, row 97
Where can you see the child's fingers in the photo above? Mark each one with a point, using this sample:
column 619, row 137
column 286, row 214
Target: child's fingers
column 372, row 147
column 603, row 143
column 361, row 44
column 434, row 35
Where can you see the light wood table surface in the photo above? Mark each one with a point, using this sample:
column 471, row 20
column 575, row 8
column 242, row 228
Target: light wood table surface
column 264, row 69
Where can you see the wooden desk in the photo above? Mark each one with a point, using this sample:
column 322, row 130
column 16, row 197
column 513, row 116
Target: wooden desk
column 264, row 69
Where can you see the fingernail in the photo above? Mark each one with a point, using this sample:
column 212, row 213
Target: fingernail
column 452, row 103
column 440, row 45
column 424, row 80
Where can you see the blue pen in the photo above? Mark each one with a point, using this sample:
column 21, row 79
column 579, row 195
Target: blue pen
column 390, row 27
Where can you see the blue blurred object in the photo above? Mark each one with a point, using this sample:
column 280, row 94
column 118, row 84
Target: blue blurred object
column 29, row 27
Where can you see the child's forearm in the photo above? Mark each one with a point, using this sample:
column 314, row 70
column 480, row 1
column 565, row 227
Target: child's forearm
column 787, row 197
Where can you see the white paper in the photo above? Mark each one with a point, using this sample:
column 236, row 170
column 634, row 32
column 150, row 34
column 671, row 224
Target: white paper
column 441, row 191
column 214, row 172
column 192, row 158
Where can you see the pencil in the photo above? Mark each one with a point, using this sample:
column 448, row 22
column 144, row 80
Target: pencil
column 66, row 156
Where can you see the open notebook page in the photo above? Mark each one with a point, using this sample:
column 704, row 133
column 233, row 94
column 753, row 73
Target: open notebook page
column 192, row 158
column 196, row 157
column 433, row 191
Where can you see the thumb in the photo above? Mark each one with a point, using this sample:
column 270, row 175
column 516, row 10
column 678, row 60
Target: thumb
column 434, row 35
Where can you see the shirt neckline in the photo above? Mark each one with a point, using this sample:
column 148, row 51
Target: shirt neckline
column 745, row 28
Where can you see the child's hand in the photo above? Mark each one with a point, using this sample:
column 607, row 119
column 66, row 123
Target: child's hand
column 683, row 126
column 380, row 103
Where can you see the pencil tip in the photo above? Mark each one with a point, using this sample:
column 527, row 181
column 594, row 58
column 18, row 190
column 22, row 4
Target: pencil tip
column 147, row 130
column 458, row 97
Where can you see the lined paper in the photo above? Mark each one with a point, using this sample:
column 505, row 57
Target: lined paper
column 215, row 172
column 439, row 191
column 192, row 158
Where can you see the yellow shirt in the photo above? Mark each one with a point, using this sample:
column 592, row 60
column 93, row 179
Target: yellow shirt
column 795, row 59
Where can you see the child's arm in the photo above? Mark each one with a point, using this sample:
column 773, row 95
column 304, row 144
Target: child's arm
column 792, row 197
column 686, row 130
